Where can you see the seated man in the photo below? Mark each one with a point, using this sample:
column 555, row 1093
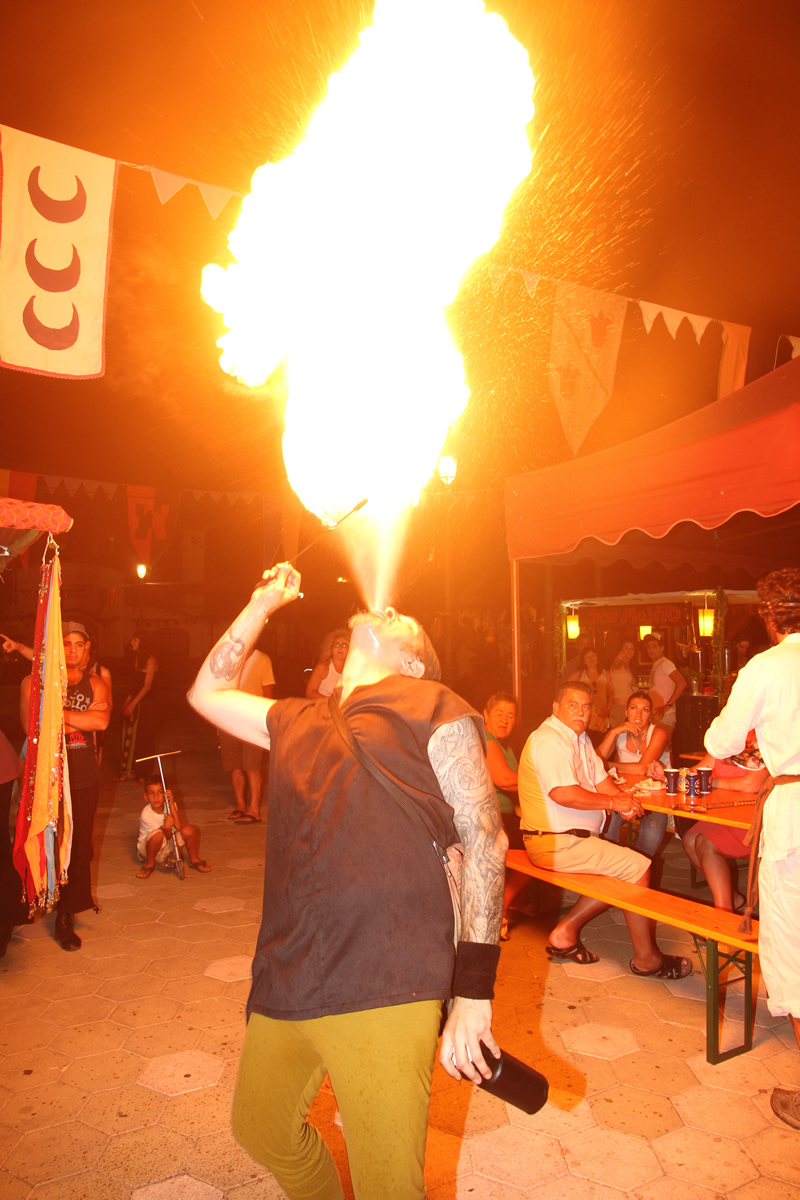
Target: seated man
column 155, row 828
column 561, row 780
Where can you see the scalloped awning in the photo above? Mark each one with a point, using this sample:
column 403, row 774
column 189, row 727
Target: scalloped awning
column 738, row 455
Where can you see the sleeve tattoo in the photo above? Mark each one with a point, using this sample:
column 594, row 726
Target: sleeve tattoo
column 226, row 658
column 457, row 758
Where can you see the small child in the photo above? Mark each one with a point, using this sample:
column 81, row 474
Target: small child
column 155, row 827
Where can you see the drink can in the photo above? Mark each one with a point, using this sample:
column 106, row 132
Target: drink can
column 683, row 779
column 692, row 785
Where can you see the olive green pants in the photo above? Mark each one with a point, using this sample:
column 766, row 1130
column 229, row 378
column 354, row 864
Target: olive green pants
column 380, row 1064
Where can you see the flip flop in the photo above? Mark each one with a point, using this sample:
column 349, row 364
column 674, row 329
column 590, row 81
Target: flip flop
column 578, row 953
column 144, row 872
column 236, row 815
column 672, row 967
column 247, row 819
column 200, row 865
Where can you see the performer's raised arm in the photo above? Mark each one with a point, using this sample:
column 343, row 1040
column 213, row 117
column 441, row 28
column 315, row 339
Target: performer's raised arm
column 215, row 692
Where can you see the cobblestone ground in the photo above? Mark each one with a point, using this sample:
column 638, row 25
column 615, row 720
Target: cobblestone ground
column 119, row 1060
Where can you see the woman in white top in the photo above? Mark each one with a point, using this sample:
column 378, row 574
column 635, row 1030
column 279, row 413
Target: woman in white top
column 623, row 680
column 327, row 674
column 633, row 745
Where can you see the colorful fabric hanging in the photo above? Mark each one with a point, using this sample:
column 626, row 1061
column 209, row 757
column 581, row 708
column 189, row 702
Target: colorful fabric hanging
column 43, row 840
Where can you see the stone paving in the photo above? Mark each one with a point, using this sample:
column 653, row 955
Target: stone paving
column 119, row 1060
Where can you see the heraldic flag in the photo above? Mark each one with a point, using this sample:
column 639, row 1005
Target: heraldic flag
column 55, row 241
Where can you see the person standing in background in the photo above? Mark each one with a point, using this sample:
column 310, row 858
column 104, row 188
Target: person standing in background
column 242, row 759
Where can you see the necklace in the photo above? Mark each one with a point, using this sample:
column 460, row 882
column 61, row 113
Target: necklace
column 637, row 744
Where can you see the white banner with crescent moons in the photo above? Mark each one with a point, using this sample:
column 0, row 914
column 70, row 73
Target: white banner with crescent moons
column 56, row 205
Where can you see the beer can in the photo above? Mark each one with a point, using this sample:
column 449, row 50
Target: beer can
column 692, row 784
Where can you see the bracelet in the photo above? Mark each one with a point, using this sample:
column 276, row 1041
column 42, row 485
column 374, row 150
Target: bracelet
column 476, row 968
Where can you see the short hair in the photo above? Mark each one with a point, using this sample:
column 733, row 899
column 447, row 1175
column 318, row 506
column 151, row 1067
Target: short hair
column 500, row 698
column 572, row 685
column 429, row 657
column 653, row 637
column 154, row 780
column 640, row 695
column 779, row 593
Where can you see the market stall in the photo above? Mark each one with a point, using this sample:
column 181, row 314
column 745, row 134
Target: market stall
column 719, row 487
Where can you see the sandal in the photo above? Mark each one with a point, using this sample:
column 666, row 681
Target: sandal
column 236, row 815
column 246, row 819
column 200, row 865
column 672, row 967
column 505, row 936
column 578, row 953
column 144, row 872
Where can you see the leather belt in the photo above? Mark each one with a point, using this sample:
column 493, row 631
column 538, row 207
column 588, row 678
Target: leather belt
column 579, row 833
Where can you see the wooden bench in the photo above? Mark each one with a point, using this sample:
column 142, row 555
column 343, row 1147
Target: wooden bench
column 710, row 924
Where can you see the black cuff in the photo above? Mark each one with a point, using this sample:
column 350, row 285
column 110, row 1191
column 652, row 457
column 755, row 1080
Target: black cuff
column 476, row 968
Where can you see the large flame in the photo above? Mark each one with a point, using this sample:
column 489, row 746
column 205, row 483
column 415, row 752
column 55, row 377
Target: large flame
column 348, row 251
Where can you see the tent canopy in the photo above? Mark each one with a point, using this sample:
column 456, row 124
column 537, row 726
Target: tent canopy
column 736, row 456
column 21, row 523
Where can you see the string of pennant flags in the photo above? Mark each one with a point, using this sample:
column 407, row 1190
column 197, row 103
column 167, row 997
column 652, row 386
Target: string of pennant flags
column 56, row 215
column 585, row 337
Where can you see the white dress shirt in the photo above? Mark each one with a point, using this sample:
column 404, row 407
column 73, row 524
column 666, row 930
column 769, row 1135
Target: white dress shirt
column 766, row 697
column 554, row 756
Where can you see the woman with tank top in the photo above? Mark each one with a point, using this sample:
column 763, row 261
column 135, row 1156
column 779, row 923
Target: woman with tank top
column 637, row 743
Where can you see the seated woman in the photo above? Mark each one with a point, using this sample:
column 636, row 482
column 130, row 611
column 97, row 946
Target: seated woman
column 500, row 715
column 599, row 681
column 632, row 747
column 711, row 847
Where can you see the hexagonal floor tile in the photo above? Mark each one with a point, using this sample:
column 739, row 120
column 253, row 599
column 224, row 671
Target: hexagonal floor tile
column 220, row 904
column 518, row 1157
column 776, row 1153
column 122, row 1109
column 177, row 1073
column 719, row 1112
column 239, row 966
column 704, row 1159
column 39, row 1107
column 144, row 1156
column 181, row 1187
column 602, row 1041
column 607, row 1156
column 33, row 1159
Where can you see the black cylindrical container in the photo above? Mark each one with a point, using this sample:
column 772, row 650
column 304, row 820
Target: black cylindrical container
column 514, row 1081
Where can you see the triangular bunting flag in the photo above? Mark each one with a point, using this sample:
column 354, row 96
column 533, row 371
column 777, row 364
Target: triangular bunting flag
column 51, row 482
column 215, row 198
column 698, row 324
column 72, row 485
column 531, row 281
column 110, row 489
column 672, row 316
column 167, row 185
column 584, row 342
column 91, row 486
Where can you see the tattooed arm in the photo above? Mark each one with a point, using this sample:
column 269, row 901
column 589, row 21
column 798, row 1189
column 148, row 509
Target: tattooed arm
column 215, row 692
column 456, row 755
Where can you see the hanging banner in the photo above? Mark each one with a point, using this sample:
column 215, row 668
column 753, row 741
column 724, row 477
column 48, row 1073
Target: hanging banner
column 56, row 205
column 584, row 343
column 151, row 520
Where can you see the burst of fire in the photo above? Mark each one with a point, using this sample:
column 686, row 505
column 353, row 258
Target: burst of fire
column 347, row 252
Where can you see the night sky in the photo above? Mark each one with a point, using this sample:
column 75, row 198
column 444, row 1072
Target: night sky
column 665, row 169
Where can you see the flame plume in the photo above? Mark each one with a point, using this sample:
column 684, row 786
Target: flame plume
column 348, row 251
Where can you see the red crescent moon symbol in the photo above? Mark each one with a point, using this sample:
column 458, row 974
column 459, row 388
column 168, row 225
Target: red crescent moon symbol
column 61, row 211
column 45, row 335
column 48, row 279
